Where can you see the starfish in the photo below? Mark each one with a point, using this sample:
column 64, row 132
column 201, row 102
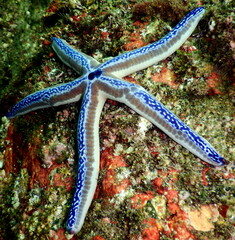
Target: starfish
column 100, row 82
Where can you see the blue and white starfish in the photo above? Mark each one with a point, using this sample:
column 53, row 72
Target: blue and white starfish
column 104, row 81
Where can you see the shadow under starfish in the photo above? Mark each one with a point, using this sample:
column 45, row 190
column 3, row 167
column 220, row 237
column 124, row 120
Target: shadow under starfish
column 100, row 82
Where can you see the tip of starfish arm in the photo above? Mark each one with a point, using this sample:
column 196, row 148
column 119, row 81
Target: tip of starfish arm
column 54, row 39
column 223, row 161
column 10, row 115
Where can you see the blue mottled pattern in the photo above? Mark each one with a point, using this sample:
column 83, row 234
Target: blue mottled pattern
column 156, row 47
column 44, row 98
column 81, row 167
column 79, row 61
column 100, row 82
column 181, row 131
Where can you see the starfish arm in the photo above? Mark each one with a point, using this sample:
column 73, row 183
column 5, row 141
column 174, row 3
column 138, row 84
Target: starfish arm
column 89, row 156
column 49, row 97
column 146, row 105
column 73, row 58
column 146, row 56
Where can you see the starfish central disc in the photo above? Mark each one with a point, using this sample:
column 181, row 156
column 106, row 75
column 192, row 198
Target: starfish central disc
column 96, row 74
